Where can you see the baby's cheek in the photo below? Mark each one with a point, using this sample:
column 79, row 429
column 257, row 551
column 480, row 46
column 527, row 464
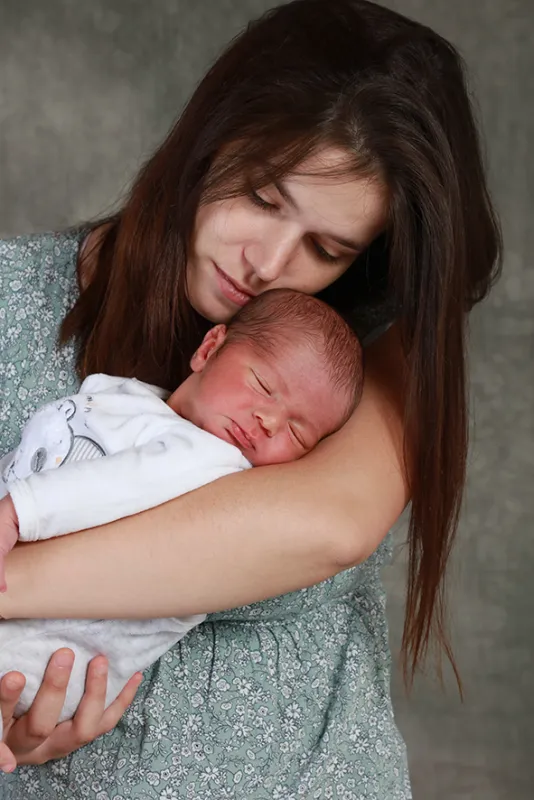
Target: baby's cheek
column 285, row 451
column 265, row 454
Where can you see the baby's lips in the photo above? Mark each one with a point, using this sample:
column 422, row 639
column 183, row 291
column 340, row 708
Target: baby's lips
column 242, row 437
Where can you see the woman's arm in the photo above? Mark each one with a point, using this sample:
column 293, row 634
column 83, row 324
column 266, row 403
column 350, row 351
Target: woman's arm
column 241, row 539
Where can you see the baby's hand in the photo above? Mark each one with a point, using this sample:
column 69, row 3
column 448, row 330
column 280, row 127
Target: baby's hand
column 9, row 534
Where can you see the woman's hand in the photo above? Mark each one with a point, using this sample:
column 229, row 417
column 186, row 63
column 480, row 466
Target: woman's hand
column 36, row 737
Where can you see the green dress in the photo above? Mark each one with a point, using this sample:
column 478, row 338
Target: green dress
column 279, row 700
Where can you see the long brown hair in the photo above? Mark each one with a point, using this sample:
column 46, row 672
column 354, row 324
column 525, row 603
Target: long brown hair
column 391, row 92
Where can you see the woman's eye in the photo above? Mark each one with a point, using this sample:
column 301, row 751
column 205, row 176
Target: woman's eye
column 260, row 202
column 325, row 255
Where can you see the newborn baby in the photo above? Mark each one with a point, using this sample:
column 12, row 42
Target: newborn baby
column 283, row 375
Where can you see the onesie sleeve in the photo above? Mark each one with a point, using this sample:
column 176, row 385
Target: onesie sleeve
column 84, row 494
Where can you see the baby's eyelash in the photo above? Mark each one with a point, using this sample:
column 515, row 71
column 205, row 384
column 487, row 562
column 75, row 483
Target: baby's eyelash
column 263, row 385
column 296, row 436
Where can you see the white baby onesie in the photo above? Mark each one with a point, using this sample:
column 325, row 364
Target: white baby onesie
column 146, row 454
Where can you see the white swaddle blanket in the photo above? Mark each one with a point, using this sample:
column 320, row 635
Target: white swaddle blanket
column 120, row 449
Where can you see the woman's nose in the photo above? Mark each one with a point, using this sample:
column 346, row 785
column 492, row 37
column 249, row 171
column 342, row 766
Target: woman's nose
column 270, row 255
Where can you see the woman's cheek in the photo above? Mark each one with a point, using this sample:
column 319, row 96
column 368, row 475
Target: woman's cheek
column 232, row 222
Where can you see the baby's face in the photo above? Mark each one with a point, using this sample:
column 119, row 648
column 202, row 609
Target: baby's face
column 273, row 408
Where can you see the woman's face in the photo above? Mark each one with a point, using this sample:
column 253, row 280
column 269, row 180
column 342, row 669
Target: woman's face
column 301, row 234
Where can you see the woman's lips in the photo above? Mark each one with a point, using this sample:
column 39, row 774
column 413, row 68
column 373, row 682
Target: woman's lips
column 243, row 440
column 231, row 290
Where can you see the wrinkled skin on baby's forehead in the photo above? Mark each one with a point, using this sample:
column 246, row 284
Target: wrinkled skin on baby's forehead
column 284, row 350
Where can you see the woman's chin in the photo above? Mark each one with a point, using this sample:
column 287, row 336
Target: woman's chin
column 214, row 309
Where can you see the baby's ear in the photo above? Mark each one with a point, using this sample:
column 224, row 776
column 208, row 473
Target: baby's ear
column 210, row 344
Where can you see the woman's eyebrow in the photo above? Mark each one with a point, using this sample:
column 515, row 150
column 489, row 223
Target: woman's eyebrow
column 286, row 194
column 290, row 200
column 348, row 243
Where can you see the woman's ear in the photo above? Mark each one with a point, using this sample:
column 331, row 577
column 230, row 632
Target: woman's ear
column 210, row 344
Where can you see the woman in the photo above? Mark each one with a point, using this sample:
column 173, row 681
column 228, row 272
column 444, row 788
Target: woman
column 331, row 149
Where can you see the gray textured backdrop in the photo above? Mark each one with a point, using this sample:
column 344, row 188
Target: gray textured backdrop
column 86, row 92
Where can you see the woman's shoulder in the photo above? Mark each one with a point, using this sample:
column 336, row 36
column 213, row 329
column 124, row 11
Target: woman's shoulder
column 38, row 285
column 41, row 257
column 38, row 275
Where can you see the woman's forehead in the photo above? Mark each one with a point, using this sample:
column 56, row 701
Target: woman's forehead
column 354, row 203
column 327, row 161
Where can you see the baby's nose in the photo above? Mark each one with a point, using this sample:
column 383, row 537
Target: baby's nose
column 269, row 421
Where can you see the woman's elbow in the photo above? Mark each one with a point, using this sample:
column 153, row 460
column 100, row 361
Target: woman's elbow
column 341, row 541
column 353, row 540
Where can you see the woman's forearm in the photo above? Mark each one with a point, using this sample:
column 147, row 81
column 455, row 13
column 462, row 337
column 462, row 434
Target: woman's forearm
column 205, row 551
column 243, row 538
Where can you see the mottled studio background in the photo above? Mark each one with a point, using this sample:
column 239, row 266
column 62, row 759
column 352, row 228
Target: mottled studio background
column 87, row 90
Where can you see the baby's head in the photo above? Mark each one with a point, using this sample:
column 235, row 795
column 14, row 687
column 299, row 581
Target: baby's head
column 285, row 373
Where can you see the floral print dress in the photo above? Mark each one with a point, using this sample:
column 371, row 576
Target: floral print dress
column 279, row 700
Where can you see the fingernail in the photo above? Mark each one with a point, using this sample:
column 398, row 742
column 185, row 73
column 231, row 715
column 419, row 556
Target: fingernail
column 7, row 767
column 63, row 660
column 13, row 683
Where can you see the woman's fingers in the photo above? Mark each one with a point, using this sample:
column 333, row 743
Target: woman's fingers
column 86, row 723
column 36, row 737
column 116, row 709
column 11, row 687
column 39, row 722
column 90, row 720
column 8, row 762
